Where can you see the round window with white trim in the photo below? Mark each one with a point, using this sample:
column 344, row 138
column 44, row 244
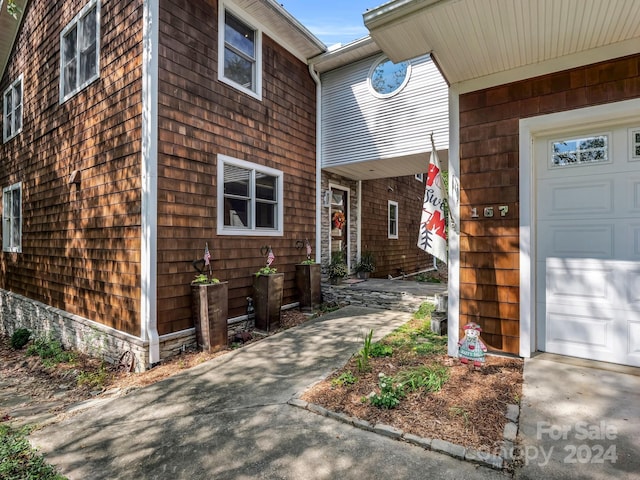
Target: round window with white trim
column 387, row 79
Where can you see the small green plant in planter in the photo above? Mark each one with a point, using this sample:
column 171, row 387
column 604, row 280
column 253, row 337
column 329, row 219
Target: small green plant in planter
column 366, row 265
column 266, row 270
column 203, row 279
column 309, row 261
column 337, row 268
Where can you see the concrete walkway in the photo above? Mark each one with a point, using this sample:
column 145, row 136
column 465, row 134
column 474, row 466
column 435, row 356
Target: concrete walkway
column 229, row 419
column 579, row 420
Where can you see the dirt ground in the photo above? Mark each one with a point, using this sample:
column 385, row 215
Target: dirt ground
column 469, row 410
column 27, row 375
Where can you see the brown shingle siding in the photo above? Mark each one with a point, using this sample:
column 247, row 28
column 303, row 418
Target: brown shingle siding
column 200, row 118
column 80, row 243
column 489, row 146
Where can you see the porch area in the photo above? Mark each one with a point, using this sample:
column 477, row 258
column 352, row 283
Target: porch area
column 401, row 295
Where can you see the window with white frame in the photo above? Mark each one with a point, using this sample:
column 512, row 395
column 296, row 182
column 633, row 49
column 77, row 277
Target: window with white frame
column 420, row 177
column 239, row 56
column 249, row 198
column 80, row 51
column 12, row 218
column 393, row 219
column 12, row 110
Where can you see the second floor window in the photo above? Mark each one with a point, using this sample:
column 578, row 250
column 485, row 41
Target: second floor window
column 239, row 55
column 80, row 51
column 12, row 110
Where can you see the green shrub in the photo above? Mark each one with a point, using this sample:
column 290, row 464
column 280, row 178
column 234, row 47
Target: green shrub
column 50, row 351
column 18, row 460
column 20, row 338
column 391, row 392
column 362, row 360
column 345, row 378
column 381, row 350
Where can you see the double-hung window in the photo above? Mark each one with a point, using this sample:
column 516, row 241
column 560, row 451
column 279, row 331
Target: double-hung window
column 12, row 218
column 80, row 51
column 249, row 198
column 239, row 56
column 393, row 219
column 12, row 110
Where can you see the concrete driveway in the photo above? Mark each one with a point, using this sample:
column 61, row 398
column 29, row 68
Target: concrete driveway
column 579, row 420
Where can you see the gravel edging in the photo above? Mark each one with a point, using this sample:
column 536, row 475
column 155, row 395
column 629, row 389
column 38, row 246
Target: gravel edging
column 496, row 462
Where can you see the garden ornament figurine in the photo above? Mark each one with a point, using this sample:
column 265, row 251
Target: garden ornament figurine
column 471, row 347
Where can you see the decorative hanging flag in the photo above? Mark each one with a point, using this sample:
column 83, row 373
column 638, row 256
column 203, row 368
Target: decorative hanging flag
column 270, row 257
column 308, row 246
column 433, row 236
column 207, row 255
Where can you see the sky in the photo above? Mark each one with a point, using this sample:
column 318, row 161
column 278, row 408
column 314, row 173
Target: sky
column 332, row 21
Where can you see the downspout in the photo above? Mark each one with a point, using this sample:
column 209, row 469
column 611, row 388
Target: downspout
column 359, row 223
column 316, row 79
column 149, row 200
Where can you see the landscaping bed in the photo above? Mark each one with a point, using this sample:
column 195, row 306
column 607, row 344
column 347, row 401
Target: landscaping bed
column 468, row 410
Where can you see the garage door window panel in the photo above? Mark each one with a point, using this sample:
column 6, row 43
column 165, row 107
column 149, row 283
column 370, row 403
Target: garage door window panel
column 580, row 151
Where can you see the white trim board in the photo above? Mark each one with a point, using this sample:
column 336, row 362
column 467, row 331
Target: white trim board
column 530, row 128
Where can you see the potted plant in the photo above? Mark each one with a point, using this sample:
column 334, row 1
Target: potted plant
column 365, row 266
column 337, row 268
column 268, row 286
column 210, row 308
column 308, row 282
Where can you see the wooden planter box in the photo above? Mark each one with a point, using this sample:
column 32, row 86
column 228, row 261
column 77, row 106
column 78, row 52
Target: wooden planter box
column 210, row 309
column 308, row 283
column 267, row 297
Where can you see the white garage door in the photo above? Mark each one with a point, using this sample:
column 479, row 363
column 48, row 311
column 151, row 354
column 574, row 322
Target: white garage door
column 588, row 244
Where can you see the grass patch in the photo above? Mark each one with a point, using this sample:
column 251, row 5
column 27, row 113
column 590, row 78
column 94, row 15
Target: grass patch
column 19, row 461
column 97, row 379
column 428, row 378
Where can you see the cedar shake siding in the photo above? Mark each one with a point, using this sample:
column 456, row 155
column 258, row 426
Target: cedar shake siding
column 489, row 144
column 80, row 242
column 393, row 256
column 200, row 118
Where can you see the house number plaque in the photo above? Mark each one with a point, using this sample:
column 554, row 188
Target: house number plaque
column 488, row 212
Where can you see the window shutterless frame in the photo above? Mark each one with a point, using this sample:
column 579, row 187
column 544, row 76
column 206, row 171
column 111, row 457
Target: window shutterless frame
column 393, row 219
column 250, row 198
column 239, row 52
column 12, row 218
column 12, row 109
column 80, row 51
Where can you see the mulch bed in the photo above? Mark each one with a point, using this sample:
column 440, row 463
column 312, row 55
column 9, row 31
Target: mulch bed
column 469, row 410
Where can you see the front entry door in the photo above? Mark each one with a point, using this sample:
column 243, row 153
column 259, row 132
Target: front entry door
column 339, row 217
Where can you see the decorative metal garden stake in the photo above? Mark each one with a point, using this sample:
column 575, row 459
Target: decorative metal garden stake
column 471, row 347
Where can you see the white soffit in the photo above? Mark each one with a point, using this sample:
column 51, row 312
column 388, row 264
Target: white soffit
column 345, row 55
column 472, row 39
column 283, row 27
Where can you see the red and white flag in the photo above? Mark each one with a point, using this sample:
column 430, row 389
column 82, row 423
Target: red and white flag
column 270, row 257
column 308, row 246
column 433, row 236
column 207, row 254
